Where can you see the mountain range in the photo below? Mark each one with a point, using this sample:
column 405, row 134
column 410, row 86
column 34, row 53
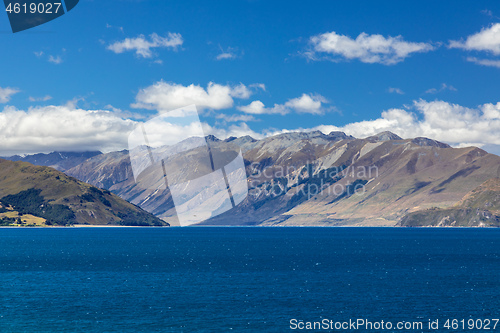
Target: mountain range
column 312, row 178
column 58, row 160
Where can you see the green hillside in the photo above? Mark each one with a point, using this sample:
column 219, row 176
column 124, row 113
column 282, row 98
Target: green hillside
column 44, row 196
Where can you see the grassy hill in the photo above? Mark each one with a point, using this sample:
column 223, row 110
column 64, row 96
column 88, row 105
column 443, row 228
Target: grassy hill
column 44, row 196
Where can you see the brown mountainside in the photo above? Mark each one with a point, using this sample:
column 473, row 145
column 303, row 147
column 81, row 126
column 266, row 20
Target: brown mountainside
column 310, row 178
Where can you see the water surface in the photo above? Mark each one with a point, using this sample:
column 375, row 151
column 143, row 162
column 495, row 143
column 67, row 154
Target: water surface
column 241, row 279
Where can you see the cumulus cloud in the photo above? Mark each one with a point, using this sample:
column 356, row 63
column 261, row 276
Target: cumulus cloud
column 163, row 96
column 261, row 86
column 228, row 54
column 40, row 99
column 240, row 91
column 366, row 48
column 63, row 128
column 55, row 60
column 443, row 87
column 257, row 107
column 67, row 128
column 484, row 62
column 6, row 94
column 235, row 117
column 143, row 46
column 454, row 124
column 395, row 91
column 225, row 55
column 488, row 39
column 307, row 103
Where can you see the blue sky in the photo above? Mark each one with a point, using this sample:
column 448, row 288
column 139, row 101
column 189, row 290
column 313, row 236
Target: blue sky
column 421, row 68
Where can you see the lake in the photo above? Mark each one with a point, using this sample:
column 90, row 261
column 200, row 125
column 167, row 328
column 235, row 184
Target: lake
column 211, row 279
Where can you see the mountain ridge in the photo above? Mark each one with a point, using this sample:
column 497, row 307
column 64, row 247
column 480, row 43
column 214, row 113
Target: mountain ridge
column 411, row 175
column 58, row 160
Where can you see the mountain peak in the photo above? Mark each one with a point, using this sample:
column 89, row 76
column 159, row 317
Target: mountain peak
column 241, row 140
column 338, row 135
column 212, row 138
column 384, row 136
column 403, row 171
column 429, row 142
column 299, row 135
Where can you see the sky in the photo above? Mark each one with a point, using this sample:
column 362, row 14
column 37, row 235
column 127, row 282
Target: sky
column 417, row 68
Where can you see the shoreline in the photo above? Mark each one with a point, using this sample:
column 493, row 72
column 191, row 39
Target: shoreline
column 83, row 226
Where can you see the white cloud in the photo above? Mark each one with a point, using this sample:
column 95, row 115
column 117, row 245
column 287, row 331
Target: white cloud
column 230, row 53
column 239, row 130
column 126, row 114
column 163, row 133
column 55, row 60
column 164, row 96
column 67, row 128
column 307, row 103
column 72, row 103
column 235, row 117
column 6, row 94
column 240, row 91
column 366, row 48
column 40, row 99
column 484, row 62
column 443, row 87
column 49, row 128
column 109, row 26
column 487, row 12
column 226, row 55
column 142, row 46
column 395, row 91
column 488, row 39
column 451, row 123
column 261, row 86
column 257, row 107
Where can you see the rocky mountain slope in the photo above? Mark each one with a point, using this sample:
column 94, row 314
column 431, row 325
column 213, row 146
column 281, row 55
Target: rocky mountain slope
column 50, row 197
column 479, row 208
column 317, row 179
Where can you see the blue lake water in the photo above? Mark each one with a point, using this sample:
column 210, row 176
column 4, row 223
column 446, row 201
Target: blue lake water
column 242, row 279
